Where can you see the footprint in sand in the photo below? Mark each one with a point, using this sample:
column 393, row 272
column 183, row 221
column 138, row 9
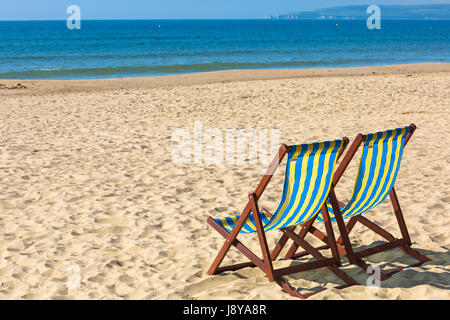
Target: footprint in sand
column 114, row 221
column 436, row 206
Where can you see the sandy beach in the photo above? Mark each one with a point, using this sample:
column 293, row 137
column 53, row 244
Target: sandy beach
column 88, row 188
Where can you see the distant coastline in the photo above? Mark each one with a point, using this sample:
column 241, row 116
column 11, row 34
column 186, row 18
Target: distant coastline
column 358, row 12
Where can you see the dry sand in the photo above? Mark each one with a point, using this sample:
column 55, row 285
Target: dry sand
column 87, row 180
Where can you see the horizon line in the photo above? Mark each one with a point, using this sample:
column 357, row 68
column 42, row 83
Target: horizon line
column 205, row 19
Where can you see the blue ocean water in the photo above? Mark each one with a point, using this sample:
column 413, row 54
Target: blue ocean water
column 122, row 48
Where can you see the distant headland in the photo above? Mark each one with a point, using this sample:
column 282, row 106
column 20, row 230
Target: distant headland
column 413, row 12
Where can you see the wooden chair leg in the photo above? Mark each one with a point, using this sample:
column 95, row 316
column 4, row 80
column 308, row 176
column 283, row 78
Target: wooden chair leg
column 349, row 227
column 262, row 237
column 342, row 228
column 302, row 234
column 330, row 235
column 399, row 216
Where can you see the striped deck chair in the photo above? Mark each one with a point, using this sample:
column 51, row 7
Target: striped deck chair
column 380, row 162
column 309, row 173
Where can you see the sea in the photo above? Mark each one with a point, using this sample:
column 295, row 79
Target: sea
column 132, row 48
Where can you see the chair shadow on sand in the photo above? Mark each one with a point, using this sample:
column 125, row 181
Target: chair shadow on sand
column 432, row 273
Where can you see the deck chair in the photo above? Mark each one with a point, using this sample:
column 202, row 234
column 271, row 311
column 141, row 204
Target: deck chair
column 380, row 162
column 309, row 173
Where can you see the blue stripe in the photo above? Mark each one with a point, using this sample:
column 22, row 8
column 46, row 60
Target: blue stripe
column 305, row 188
column 402, row 142
column 246, row 226
column 329, row 174
column 370, row 137
column 391, row 166
column 361, row 173
column 230, row 221
column 316, row 185
column 286, row 178
column 298, row 170
column 264, row 219
column 220, row 222
column 381, row 171
column 372, row 169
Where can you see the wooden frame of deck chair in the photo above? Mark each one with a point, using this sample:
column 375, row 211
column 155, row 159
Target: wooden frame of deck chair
column 379, row 166
column 309, row 173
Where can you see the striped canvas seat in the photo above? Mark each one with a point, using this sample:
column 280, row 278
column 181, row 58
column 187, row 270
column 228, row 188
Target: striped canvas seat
column 380, row 162
column 309, row 174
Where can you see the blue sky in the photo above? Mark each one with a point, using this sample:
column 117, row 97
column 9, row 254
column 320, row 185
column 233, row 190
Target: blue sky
column 172, row 9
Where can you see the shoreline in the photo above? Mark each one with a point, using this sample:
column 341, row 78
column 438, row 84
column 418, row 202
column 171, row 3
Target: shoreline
column 43, row 87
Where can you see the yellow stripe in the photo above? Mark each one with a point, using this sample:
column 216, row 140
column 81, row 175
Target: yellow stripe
column 330, row 212
column 377, row 170
column 366, row 175
column 234, row 218
column 385, row 173
column 251, row 225
column 224, row 223
column 310, row 190
column 293, row 165
column 397, row 159
column 329, row 187
column 326, row 165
